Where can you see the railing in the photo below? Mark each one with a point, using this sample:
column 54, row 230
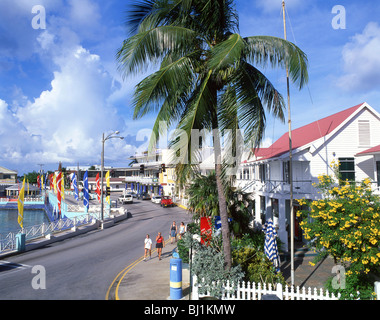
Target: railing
column 253, row 291
column 276, row 186
column 8, row 242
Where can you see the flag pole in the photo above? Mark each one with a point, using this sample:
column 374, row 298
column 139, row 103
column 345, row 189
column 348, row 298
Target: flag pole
column 290, row 162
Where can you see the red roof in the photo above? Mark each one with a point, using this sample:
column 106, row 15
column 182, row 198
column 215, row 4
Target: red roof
column 306, row 134
column 369, row 151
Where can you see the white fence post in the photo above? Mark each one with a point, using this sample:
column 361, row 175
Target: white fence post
column 279, row 292
column 194, row 291
column 377, row 290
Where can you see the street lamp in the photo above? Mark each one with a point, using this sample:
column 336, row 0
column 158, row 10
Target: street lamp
column 110, row 136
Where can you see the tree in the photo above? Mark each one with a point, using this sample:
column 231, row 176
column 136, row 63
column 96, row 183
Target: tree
column 345, row 224
column 206, row 77
column 203, row 202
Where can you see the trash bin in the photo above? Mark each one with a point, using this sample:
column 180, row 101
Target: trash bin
column 20, row 241
column 175, row 278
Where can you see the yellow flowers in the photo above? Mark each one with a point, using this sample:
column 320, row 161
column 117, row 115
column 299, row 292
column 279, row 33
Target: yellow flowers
column 345, row 222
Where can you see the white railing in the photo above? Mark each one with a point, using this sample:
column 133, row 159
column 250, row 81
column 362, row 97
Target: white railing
column 8, row 242
column 253, row 291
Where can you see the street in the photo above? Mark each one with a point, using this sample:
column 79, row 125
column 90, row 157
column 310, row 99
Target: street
column 83, row 267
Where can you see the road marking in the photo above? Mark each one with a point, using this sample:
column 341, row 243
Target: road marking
column 10, row 267
column 126, row 270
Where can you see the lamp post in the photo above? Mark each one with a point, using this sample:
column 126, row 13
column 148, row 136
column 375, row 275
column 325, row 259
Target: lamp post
column 110, row 136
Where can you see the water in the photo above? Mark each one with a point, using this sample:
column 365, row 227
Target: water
column 8, row 219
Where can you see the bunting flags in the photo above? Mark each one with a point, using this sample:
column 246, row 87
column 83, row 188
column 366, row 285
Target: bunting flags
column 86, row 196
column 108, row 185
column 59, row 190
column 20, row 205
column 98, row 192
column 75, row 186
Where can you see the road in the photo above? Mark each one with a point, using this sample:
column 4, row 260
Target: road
column 83, row 267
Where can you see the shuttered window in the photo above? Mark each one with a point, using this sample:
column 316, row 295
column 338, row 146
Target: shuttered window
column 364, row 133
column 347, row 169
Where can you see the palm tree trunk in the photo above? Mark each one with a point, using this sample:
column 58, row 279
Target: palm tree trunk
column 222, row 201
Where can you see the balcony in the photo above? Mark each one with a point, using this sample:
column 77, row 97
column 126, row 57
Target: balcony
column 143, row 180
column 275, row 186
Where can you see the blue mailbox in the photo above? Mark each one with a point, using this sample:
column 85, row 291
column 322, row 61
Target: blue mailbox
column 175, row 277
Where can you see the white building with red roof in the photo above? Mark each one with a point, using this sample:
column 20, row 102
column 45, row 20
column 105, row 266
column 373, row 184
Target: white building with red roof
column 351, row 137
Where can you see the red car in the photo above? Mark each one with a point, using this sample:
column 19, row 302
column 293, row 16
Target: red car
column 166, row 202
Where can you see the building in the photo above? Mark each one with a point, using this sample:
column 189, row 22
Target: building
column 8, row 176
column 349, row 136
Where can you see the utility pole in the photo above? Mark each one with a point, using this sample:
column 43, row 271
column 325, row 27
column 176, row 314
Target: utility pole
column 290, row 163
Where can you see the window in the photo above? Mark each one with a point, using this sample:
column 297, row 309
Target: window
column 364, row 133
column 285, row 173
column 378, row 172
column 347, row 169
column 262, row 172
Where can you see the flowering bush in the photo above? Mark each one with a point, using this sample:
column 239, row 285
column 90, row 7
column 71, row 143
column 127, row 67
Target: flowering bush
column 345, row 224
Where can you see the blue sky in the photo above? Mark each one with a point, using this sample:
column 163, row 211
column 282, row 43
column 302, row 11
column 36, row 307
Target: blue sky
column 60, row 88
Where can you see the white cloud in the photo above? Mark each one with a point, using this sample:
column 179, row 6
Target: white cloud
column 361, row 60
column 71, row 117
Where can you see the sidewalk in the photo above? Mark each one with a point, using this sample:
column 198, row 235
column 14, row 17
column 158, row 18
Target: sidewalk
column 150, row 280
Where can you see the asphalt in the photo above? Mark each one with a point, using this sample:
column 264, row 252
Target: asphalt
column 150, row 280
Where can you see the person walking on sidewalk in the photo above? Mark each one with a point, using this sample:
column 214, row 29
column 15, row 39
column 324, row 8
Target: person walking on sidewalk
column 182, row 230
column 173, row 232
column 147, row 247
column 160, row 243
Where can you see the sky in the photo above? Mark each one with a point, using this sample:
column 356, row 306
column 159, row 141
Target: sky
column 60, row 88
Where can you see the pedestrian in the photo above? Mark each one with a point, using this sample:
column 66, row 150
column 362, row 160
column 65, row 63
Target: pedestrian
column 182, row 230
column 160, row 243
column 147, row 247
column 173, row 232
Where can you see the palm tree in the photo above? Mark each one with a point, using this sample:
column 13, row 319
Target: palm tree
column 206, row 77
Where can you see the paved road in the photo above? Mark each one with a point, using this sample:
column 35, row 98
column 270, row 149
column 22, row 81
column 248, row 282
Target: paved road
column 84, row 267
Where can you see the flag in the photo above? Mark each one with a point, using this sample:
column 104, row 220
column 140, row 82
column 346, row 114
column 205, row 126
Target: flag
column 20, row 205
column 38, row 182
column 42, row 182
column 98, row 186
column 270, row 245
column 46, row 180
column 85, row 191
column 59, row 190
column 55, row 183
column 28, row 185
column 63, row 186
column 75, row 186
column 108, row 185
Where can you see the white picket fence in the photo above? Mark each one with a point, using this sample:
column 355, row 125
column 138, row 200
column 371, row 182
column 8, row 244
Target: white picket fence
column 253, row 291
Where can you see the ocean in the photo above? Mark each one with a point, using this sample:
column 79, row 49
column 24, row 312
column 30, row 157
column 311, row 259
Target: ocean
column 8, row 219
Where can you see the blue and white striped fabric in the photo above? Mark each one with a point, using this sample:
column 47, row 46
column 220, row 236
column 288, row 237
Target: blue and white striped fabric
column 270, row 245
column 86, row 196
column 75, row 186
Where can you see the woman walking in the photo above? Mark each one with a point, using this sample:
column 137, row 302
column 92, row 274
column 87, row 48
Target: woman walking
column 160, row 243
column 173, row 232
column 182, row 230
column 147, row 247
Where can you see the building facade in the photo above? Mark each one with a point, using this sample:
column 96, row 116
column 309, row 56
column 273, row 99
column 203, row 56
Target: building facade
column 346, row 136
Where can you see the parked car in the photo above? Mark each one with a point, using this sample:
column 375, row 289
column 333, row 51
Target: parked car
column 166, row 201
column 143, row 196
column 126, row 198
column 156, row 199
